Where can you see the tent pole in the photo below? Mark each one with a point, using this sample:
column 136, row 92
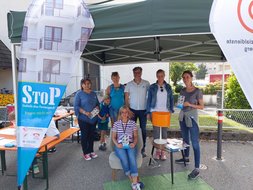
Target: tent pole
column 223, row 81
column 14, row 78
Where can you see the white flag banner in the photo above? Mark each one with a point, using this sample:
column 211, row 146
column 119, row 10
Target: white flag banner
column 231, row 23
column 54, row 35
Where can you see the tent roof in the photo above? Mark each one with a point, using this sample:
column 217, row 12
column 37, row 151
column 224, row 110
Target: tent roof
column 128, row 31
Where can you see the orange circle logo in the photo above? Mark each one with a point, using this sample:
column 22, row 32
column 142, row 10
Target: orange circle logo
column 244, row 20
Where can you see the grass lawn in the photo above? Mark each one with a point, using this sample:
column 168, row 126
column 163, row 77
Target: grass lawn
column 208, row 122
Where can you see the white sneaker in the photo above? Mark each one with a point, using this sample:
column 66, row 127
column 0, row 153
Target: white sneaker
column 36, row 169
column 93, row 155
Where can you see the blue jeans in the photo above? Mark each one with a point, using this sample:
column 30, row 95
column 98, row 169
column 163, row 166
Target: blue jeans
column 114, row 114
column 128, row 160
column 194, row 133
column 141, row 115
column 87, row 136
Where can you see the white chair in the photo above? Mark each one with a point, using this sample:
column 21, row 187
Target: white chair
column 114, row 161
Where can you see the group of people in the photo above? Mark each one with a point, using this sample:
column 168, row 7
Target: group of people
column 137, row 100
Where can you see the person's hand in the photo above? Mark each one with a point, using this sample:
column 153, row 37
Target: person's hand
column 119, row 145
column 148, row 116
column 103, row 118
column 187, row 104
column 132, row 145
column 87, row 114
column 71, row 112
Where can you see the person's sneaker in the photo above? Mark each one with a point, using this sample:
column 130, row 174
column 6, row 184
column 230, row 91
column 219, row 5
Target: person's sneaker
column 143, row 154
column 136, row 186
column 101, row 147
column 104, row 146
column 194, row 174
column 52, row 150
column 93, row 155
column 181, row 161
column 141, row 184
column 163, row 156
column 36, row 169
column 87, row 156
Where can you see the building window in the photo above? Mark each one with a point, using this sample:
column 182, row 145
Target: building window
column 50, row 5
column 24, row 33
column 22, row 65
column 52, row 34
column 85, row 33
column 50, row 67
column 55, row 4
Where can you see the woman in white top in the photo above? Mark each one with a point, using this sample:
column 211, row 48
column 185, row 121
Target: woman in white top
column 160, row 99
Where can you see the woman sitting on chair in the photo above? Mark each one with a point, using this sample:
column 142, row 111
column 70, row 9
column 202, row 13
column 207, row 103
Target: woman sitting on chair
column 125, row 136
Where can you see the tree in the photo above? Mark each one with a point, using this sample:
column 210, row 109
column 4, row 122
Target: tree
column 234, row 96
column 177, row 68
column 201, row 72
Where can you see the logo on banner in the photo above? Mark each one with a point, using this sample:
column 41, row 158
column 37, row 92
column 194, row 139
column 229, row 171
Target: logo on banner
column 246, row 19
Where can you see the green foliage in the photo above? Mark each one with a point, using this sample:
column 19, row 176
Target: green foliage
column 234, row 96
column 177, row 68
column 175, row 97
column 212, row 88
column 178, row 88
column 201, row 72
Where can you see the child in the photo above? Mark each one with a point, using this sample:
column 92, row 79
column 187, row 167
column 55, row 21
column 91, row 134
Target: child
column 53, row 131
column 103, row 120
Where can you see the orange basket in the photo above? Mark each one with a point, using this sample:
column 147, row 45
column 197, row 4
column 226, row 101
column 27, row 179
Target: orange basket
column 161, row 119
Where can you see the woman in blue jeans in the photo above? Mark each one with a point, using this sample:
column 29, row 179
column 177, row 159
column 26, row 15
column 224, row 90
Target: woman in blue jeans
column 125, row 136
column 188, row 120
column 85, row 104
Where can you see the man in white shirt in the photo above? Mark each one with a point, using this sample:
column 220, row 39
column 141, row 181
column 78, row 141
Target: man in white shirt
column 136, row 100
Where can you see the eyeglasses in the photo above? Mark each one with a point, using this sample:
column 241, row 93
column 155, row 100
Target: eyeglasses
column 161, row 88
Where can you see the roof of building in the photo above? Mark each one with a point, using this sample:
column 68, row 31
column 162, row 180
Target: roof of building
column 5, row 56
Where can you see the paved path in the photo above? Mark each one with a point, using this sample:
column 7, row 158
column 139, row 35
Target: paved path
column 69, row 171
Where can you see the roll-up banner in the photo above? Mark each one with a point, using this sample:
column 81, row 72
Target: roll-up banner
column 54, row 35
column 231, row 23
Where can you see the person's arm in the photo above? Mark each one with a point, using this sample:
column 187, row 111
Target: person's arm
column 171, row 101
column 132, row 145
column 149, row 104
column 126, row 90
column 198, row 106
column 102, row 118
column 127, row 99
column 77, row 102
column 114, row 139
column 97, row 103
column 108, row 90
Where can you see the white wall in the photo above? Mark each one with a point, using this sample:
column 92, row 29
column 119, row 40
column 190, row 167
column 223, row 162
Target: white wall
column 126, row 73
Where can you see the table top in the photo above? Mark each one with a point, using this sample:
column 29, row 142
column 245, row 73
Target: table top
column 6, row 138
column 173, row 145
column 65, row 115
